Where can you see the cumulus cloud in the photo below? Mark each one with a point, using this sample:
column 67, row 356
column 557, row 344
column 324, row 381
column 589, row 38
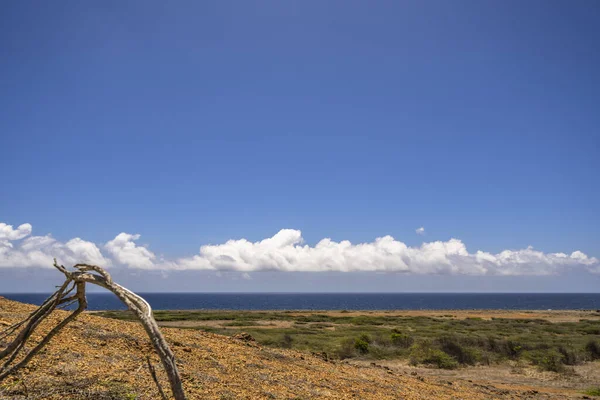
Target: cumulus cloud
column 420, row 231
column 8, row 233
column 286, row 251
column 126, row 252
column 19, row 249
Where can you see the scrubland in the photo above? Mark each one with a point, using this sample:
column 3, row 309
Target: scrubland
column 306, row 355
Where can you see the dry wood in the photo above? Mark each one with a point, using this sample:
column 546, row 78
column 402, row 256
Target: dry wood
column 64, row 296
column 155, row 379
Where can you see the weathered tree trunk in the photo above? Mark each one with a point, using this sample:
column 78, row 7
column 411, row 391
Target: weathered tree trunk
column 75, row 281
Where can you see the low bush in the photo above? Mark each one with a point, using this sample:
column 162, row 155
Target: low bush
column 569, row 356
column 505, row 348
column 424, row 353
column 346, row 349
column 365, row 338
column 551, row 362
column 594, row 391
column 401, row 339
column 441, row 360
column 451, row 346
column 592, row 330
column 546, row 360
column 361, row 345
column 592, row 348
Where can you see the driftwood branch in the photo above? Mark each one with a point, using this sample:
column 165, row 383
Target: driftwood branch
column 64, row 296
column 155, row 379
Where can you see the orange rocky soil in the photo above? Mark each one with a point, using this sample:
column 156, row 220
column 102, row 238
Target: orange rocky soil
column 99, row 358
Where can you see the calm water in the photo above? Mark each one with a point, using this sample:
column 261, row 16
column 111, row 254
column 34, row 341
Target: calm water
column 341, row 301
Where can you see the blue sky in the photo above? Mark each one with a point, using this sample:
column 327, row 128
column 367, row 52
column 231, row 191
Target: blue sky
column 199, row 122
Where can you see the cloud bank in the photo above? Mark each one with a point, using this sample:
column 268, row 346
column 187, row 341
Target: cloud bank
column 286, row 251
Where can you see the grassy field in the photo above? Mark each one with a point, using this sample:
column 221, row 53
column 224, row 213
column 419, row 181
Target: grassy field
column 446, row 340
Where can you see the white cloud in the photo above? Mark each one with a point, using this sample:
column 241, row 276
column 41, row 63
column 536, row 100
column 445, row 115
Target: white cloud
column 286, row 251
column 8, row 233
column 125, row 251
column 39, row 251
column 420, row 231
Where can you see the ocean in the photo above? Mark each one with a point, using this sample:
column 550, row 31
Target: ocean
column 341, row 301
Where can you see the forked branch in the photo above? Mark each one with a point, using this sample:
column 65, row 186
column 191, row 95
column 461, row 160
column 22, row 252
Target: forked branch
column 73, row 290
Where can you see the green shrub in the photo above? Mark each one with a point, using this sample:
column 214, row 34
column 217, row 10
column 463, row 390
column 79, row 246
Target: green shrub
column 382, row 339
column 514, row 349
column 418, row 352
column 592, row 330
column 546, row 360
column 592, row 347
column 423, row 353
column 442, row 360
column 402, row 340
column 365, row 320
column 451, row 346
column 378, row 351
column 569, row 356
column 551, row 362
column 361, row 345
column 594, row 391
column 346, row 349
column 505, row 348
column 365, row 338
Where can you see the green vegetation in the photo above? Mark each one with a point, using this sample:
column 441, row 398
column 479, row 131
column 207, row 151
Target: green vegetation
column 425, row 353
column 443, row 342
column 595, row 391
column 361, row 344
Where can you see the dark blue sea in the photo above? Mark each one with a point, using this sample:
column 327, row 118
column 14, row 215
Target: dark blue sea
column 342, row 301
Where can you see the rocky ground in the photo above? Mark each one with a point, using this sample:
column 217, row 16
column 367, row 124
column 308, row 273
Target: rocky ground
column 100, row 358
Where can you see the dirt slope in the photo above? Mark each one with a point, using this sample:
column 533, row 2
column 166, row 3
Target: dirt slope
column 98, row 358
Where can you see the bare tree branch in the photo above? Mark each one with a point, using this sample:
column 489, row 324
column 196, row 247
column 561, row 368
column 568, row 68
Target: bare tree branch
column 155, row 378
column 76, row 280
